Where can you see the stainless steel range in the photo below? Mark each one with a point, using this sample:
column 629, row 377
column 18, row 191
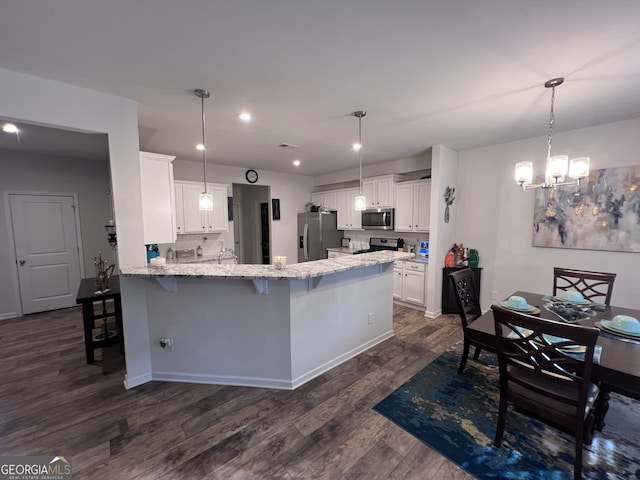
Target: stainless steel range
column 376, row 244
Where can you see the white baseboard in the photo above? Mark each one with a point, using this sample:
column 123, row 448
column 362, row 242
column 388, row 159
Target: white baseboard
column 281, row 384
column 135, row 381
column 277, row 383
column 435, row 314
column 311, row 374
column 8, row 315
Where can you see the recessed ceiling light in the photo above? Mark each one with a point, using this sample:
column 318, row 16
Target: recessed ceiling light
column 9, row 128
column 296, row 163
column 356, row 147
column 244, row 116
column 200, row 147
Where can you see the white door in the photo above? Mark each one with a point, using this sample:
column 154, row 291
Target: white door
column 46, row 243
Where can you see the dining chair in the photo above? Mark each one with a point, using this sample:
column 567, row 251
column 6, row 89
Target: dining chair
column 468, row 301
column 540, row 375
column 594, row 286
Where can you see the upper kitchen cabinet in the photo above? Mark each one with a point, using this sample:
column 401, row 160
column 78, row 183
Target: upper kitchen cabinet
column 378, row 191
column 330, row 199
column 189, row 217
column 348, row 217
column 158, row 198
column 412, row 206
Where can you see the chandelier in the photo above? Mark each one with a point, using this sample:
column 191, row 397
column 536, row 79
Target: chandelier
column 558, row 166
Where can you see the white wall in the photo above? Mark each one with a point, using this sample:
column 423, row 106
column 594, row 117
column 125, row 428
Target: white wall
column 38, row 100
column 495, row 216
column 89, row 180
column 442, row 235
column 294, row 191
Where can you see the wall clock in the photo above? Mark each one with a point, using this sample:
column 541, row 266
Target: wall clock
column 251, row 176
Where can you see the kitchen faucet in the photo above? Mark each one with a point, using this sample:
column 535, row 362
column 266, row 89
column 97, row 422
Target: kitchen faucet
column 226, row 251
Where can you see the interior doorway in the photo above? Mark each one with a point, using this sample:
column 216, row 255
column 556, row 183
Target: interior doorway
column 253, row 227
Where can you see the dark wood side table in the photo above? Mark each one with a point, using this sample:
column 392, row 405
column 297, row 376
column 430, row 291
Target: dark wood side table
column 449, row 303
column 87, row 297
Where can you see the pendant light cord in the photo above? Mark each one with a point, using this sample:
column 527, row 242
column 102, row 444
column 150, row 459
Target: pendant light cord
column 360, row 150
column 204, row 145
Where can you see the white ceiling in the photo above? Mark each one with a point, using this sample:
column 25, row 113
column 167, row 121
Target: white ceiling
column 456, row 72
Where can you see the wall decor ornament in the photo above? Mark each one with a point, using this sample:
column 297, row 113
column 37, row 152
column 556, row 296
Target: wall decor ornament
column 448, row 198
column 602, row 214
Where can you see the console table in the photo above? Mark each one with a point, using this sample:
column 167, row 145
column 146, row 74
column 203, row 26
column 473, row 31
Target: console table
column 87, row 296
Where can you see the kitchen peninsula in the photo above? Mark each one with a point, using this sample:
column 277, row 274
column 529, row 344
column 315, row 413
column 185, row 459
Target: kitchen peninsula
column 254, row 325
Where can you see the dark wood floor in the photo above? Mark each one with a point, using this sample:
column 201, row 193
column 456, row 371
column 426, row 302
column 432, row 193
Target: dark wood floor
column 53, row 403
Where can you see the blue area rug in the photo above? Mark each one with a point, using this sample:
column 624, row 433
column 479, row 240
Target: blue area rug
column 456, row 415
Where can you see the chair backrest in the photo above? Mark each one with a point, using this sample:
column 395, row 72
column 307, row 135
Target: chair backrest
column 467, row 298
column 594, row 286
column 537, row 368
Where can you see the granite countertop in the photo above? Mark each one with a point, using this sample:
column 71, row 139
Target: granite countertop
column 348, row 250
column 296, row 271
column 418, row 259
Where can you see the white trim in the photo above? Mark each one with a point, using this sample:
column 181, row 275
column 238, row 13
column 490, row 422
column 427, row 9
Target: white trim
column 135, row 381
column 7, row 316
column 282, row 384
column 325, row 367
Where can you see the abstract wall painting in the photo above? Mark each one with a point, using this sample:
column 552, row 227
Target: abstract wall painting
column 602, row 214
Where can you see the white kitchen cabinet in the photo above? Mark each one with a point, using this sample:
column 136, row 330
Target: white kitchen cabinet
column 158, row 198
column 348, row 217
column 189, row 217
column 317, row 198
column 412, row 206
column 330, row 199
column 378, row 191
column 398, row 274
column 409, row 282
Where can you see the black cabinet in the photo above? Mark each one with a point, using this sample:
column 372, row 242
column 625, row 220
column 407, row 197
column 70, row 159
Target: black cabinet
column 449, row 304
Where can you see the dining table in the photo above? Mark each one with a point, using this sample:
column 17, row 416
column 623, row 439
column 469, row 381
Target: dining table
column 618, row 367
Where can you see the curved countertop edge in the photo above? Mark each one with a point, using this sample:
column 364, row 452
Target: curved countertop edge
column 296, row 271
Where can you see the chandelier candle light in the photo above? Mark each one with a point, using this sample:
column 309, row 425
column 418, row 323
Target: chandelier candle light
column 206, row 199
column 361, row 202
column 558, row 165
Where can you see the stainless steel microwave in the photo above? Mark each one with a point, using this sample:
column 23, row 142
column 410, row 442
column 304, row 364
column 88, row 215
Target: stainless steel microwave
column 377, row 219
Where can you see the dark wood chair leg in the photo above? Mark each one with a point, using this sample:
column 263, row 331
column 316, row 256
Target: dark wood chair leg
column 465, row 355
column 602, row 406
column 502, row 420
column 477, row 354
column 577, row 464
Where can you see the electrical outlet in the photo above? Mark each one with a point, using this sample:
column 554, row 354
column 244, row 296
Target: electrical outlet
column 370, row 318
column 167, row 344
column 494, row 294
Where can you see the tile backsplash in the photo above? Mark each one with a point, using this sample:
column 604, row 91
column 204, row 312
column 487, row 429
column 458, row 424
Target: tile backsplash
column 211, row 243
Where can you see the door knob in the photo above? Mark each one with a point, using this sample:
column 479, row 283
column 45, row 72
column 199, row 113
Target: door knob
column 22, row 262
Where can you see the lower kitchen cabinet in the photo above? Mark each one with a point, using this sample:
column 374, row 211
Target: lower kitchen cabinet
column 409, row 282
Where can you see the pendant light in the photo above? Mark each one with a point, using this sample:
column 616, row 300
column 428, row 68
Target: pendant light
column 361, row 201
column 206, row 199
column 558, row 165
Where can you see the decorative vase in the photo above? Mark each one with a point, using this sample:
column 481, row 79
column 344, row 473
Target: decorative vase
column 450, row 259
column 474, row 258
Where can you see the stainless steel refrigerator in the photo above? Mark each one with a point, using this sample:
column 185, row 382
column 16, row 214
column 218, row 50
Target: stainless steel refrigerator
column 316, row 233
